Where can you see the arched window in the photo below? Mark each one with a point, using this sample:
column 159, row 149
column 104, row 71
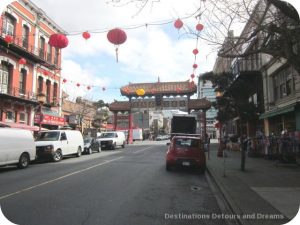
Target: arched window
column 9, row 24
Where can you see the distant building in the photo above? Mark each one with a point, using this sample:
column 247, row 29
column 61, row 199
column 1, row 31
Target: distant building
column 78, row 115
column 205, row 90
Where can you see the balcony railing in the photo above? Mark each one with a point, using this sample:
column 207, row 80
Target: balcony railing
column 245, row 65
column 40, row 53
column 17, row 92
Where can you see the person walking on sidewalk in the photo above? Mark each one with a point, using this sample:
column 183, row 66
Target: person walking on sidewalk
column 244, row 142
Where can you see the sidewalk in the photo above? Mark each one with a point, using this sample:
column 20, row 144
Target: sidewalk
column 263, row 190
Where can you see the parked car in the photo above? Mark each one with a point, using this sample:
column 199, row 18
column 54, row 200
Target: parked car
column 16, row 147
column 55, row 144
column 90, row 145
column 186, row 151
column 112, row 140
column 162, row 137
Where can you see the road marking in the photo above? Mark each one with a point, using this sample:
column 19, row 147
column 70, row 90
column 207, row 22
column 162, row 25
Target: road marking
column 144, row 149
column 59, row 178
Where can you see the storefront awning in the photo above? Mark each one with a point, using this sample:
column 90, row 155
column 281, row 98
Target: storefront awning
column 20, row 126
column 278, row 111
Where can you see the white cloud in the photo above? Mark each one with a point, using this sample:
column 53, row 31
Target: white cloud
column 74, row 73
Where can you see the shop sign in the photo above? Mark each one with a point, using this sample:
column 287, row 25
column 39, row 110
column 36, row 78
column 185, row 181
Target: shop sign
column 50, row 120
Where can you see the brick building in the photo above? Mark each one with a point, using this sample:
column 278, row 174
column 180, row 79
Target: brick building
column 24, row 33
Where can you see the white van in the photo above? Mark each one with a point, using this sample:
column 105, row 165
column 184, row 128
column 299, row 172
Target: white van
column 55, row 144
column 16, row 147
column 112, row 139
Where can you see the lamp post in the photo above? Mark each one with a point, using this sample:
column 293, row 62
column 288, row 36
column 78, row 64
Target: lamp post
column 41, row 98
column 221, row 143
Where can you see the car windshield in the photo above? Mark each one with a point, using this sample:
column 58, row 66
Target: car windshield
column 107, row 135
column 48, row 136
column 87, row 140
column 182, row 142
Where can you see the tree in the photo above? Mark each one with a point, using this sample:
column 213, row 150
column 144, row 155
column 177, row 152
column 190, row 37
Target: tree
column 273, row 23
column 100, row 103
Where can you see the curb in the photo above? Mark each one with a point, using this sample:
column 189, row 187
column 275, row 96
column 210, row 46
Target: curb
column 227, row 198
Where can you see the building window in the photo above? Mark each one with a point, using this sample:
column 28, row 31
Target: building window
column 49, row 53
column 10, row 116
column 56, row 55
column 23, row 117
column 42, row 47
column 40, row 85
column 25, row 34
column 55, row 89
column 48, row 90
column 284, row 83
column 9, row 25
column 3, row 79
column 22, row 81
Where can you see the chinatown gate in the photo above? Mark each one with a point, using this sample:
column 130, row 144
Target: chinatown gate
column 159, row 96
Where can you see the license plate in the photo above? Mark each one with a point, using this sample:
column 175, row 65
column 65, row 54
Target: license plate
column 186, row 163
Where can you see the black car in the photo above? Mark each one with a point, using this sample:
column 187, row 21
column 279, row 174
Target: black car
column 90, row 145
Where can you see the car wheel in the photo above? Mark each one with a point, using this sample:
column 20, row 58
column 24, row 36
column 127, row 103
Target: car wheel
column 123, row 145
column 90, row 151
column 79, row 152
column 57, row 156
column 202, row 169
column 24, row 161
column 114, row 146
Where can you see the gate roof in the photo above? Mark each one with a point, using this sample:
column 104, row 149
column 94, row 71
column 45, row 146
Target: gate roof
column 164, row 88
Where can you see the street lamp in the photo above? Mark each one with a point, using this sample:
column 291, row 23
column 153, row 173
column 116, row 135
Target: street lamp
column 41, row 98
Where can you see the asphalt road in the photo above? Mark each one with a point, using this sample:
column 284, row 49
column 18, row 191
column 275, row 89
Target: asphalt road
column 124, row 187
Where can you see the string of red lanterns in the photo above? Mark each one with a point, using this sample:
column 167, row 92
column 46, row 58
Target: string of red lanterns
column 116, row 36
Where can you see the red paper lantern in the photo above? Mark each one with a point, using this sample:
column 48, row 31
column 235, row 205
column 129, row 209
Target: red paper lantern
column 117, row 37
column 178, row 24
column 64, row 80
column 88, row 87
column 86, row 35
column 9, row 39
column 22, row 61
column 195, row 51
column 78, row 85
column 178, row 89
column 192, row 76
column 195, row 66
column 199, row 27
column 58, row 41
column 45, row 72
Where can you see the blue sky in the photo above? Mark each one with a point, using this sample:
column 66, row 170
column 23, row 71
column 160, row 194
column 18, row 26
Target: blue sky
column 148, row 52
